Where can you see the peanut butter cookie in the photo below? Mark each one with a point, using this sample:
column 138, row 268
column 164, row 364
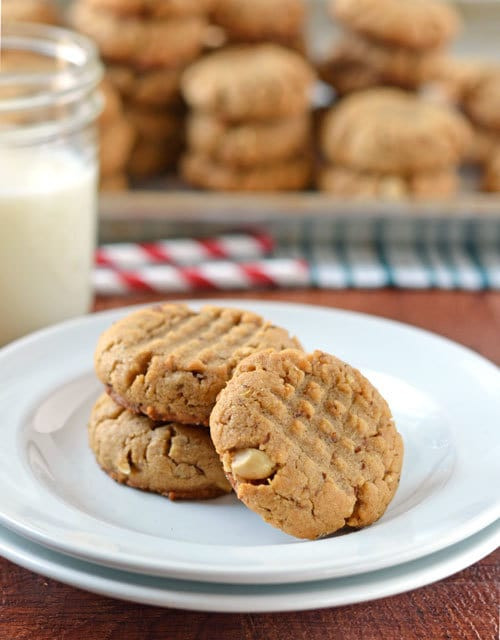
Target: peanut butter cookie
column 153, row 8
column 390, row 131
column 359, row 63
column 149, row 88
column 116, row 143
column 307, row 442
column 415, row 24
column 176, row 460
column 114, row 182
column 260, row 20
column 285, row 175
column 248, row 144
column 491, row 177
column 44, row 11
column 356, row 184
column 151, row 158
column 482, row 101
column 259, row 82
column 170, row 362
column 145, row 43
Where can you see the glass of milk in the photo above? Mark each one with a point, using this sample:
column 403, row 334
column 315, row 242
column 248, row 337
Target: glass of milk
column 48, row 175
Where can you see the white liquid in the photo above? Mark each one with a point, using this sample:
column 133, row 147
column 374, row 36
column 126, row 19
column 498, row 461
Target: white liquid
column 47, row 234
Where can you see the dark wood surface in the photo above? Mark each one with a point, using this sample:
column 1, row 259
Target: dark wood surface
column 460, row 607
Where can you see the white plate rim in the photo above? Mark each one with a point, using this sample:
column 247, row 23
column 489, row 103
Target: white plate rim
column 241, row 574
column 223, row 598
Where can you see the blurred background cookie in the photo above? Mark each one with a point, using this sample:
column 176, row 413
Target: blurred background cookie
column 45, row 11
column 247, row 21
column 376, row 136
column 388, row 43
column 287, row 175
column 250, row 125
column 250, row 143
column 350, row 183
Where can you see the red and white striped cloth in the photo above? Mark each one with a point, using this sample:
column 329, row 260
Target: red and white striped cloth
column 185, row 251
column 220, row 274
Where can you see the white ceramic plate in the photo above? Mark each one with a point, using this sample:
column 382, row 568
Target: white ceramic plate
column 446, row 401
column 204, row 596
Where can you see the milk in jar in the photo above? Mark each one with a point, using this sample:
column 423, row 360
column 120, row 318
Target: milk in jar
column 49, row 104
column 47, row 230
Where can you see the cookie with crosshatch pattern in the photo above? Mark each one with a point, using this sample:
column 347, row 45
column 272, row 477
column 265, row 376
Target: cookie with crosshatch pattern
column 170, row 362
column 307, row 442
column 178, row 461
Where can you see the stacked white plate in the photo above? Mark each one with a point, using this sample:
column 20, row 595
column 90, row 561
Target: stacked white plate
column 61, row 516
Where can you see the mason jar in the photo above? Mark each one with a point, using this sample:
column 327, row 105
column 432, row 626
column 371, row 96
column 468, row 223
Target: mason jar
column 49, row 103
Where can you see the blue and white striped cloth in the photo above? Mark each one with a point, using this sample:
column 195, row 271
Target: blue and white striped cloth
column 420, row 254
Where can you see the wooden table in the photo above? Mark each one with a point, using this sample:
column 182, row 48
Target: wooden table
column 461, row 607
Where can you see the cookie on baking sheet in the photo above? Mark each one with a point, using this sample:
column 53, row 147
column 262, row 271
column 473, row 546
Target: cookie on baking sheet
column 491, row 176
column 150, row 87
column 291, row 174
column 415, row 24
column 248, row 144
column 482, row 101
column 259, row 82
column 390, row 131
column 178, row 461
column 153, row 8
column 150, row 158
column 145, row 43
column 260, row 20
column 359, row 63
column 44, row 11
column 356, row 184
column 307, row 442
column 114, row 182
column 170, row 362
column 116, row 140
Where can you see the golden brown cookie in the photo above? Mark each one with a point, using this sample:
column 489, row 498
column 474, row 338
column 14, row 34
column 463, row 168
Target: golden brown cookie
column 484, row 144
column 176, row 460
column 149, row 158
column 415, row 24
column 114, row 182
column 116, row 140
column 482, row 101
column 145, row 43
column 248, row 144
column 153, row 8
column 260, row 20
column 358, row 63
column 355, row 184
column 307, row 442
column 491, row 177
column 150, row 88
column 44, row 11
column 257, row 82
column 285, row 175
column 170, row 362
column 113, row 106
column 156, row 125
column 390, row 131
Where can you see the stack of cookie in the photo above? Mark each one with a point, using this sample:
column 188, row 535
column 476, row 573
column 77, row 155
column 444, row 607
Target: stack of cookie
column 481, row 103
column 249, row 128
column 116, row 140
column 163, row 368
column 252, row 21
column 389, row 42
column 387, row 143
column 146, row 44
column 305, row 440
